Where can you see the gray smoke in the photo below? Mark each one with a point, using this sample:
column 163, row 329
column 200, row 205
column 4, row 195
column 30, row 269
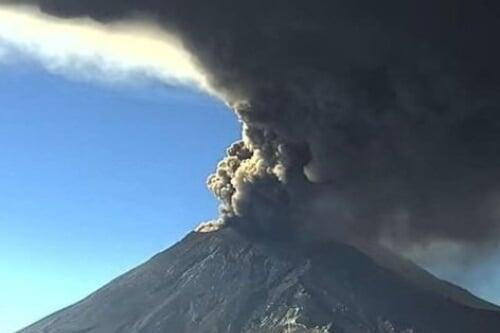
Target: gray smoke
column 374, row 120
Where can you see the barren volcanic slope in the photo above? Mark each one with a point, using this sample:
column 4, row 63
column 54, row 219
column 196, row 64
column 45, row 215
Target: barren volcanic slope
column 222, row 282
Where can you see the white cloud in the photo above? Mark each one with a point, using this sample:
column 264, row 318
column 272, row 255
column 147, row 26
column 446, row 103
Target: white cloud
column 87, row 49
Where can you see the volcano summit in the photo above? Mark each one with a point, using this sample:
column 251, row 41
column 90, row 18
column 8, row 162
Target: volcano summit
column 223, row 282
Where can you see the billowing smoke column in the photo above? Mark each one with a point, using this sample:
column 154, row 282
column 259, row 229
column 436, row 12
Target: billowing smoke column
column 361, row 118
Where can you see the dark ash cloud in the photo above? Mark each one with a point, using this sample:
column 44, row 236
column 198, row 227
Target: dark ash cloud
column 362, row 119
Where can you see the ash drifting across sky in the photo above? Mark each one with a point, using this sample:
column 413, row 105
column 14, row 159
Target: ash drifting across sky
column 361, row 119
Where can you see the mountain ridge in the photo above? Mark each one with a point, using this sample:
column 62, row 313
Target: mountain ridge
column 224, row 282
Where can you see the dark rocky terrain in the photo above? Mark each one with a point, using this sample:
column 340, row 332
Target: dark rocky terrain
column 222, row 282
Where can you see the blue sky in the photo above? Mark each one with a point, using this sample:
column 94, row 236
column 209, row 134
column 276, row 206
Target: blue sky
column 96, row 179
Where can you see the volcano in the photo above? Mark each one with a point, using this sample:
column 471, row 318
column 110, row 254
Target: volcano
column 226, row 282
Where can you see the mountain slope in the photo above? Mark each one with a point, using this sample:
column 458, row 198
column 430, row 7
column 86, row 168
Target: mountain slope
column 422, row 278
column 222, row 282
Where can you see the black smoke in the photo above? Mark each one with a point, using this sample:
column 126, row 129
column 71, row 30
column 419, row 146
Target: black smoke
column 362, row 119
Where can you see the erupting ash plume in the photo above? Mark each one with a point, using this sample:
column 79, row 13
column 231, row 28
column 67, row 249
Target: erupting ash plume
column 364, row 119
